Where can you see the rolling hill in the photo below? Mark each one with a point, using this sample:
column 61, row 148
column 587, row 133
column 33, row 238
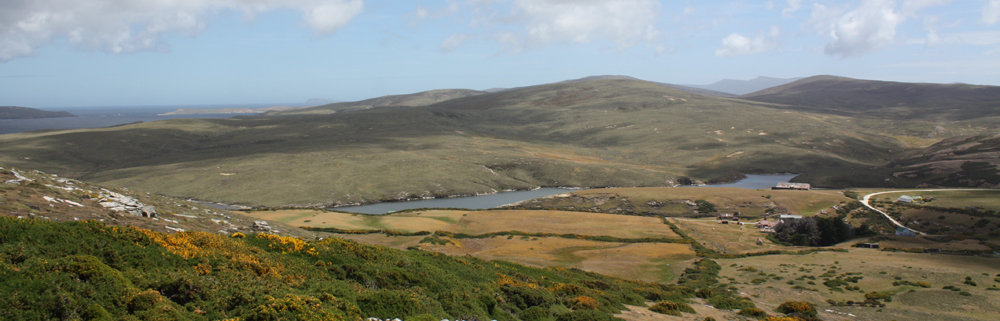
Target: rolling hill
column 410, row 100
column 884, row 99
column 593, row 133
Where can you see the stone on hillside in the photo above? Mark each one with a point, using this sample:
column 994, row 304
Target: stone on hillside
column 261, row 226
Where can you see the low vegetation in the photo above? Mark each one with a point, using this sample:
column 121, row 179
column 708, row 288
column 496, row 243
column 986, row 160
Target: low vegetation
column 88, row 269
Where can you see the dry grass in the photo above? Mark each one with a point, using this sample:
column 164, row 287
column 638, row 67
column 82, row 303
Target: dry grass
column 731, row 237
column 656, row 262
column 747, row 202
column 562, row 222
column 411, row 222
column 938, row 270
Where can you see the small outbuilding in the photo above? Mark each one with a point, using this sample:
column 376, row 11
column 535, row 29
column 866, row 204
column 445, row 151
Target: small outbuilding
column 902, row 231
column 795, row 186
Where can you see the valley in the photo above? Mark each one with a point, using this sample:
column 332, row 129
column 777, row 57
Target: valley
column 634, row 244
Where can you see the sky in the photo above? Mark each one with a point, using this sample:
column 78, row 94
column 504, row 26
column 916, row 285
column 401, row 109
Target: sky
column 70, row 53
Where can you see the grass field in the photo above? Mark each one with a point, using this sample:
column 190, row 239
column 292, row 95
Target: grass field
column 481, row 222
column 409, row 222
column 773, row 280
column 658, row 262
column 644, row 261
column 562, row 222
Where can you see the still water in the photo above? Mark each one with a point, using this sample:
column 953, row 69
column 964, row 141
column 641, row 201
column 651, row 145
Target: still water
column 98, row 117
column 500, row 199
column 469, row 202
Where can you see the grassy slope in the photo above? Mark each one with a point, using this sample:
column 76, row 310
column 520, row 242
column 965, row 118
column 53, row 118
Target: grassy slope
column 591, row 133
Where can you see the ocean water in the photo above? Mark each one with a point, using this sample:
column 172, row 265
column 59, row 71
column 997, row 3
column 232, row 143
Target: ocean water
column 98, row 117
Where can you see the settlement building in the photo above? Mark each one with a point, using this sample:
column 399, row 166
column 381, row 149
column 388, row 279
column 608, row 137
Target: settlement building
column 796, row 186
column 902, row 231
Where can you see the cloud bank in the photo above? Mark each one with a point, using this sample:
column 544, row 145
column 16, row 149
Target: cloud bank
column 122, row 26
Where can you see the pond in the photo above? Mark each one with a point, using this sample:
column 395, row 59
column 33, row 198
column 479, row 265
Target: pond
column 469, row 202
column 501, row 199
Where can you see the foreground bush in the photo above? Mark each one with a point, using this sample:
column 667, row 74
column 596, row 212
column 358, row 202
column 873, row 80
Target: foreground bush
column 797, row 308
column 671, row 308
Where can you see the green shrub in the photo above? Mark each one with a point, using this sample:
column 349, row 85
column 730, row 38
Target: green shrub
column 671, row 308
column 753, row 313
column 963, row 293
column 731, row 303
column 535, row 313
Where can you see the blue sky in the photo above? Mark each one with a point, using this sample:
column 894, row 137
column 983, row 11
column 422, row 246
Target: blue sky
column 66, row 53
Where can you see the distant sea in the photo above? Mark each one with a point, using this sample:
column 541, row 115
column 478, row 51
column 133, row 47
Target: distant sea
column 96, row 117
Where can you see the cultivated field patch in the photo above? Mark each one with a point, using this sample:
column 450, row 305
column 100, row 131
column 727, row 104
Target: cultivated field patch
column 642, row 261
column 562, row 222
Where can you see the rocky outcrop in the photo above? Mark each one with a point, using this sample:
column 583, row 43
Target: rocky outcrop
column 121, row 203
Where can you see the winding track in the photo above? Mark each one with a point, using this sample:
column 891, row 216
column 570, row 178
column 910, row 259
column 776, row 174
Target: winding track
column 865, row 201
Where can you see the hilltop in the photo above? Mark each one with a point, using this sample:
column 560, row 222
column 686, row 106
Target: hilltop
column 742, row 87
column 12, row 112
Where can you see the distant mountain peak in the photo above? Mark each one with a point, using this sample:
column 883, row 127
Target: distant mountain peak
column 742, row 87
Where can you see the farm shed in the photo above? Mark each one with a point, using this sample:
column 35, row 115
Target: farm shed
column 795, row 186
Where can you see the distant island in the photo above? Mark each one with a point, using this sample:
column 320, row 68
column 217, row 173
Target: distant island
column 188, row 111
column 12, row 112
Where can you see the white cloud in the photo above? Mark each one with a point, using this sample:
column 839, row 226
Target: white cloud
column 625, row 22
column 991, row 12
column 739, row 45
column 869, row 27
column 423, row 13
column 910, row 7
column 454, row 41
column 793, row 6
column 121, row 26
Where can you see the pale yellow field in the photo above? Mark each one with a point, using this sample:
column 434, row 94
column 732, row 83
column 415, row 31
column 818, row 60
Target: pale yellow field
column 562, row 222
column 411, row 221
column 480, row 222
column 643, row 261
column 731, row 237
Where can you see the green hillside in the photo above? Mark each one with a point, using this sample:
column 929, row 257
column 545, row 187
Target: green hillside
column 615, row 132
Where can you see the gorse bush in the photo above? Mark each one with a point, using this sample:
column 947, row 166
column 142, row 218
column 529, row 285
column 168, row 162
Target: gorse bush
column 89, row 270
column 797, row 308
